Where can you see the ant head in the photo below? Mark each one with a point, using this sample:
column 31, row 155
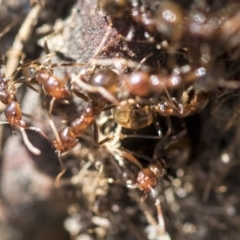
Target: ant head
column 41, row 76
column 65, row 141
column 146, row 180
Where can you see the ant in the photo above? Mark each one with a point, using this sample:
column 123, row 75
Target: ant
column 168, row 20
column 66, row 139
column 133, row 115
column 142, row 84
column 13, row 111
column 148, row 177
column 52, row 86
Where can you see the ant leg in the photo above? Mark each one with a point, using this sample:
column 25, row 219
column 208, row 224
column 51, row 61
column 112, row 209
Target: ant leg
column 2, row 61
column 66, row 64
column 55, row 131
column 38, row 130
column 145, row 209
column 63, row 167
column 96, row 136
column 80, row 95
column 89, row 88
column 129, row 156
column 162, row 142
column 51, row 107
column 143, row 60
column 161, row 222
column 123, row 136
column 45, row 46
column 29, row 145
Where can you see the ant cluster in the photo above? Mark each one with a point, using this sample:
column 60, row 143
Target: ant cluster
column 139, row 93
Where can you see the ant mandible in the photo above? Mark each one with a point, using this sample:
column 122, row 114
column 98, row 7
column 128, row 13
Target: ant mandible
column 52, row 86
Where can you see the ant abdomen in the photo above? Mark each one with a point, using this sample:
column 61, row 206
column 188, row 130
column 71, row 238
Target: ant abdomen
column 131, row 116
column 107, row 79
column 6, row 95
column 14, row 115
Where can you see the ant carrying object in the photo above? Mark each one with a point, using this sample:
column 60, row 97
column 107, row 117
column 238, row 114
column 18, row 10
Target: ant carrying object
column 13, row 110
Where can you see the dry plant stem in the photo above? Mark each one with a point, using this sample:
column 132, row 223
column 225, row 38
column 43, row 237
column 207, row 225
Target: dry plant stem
column 23, row 35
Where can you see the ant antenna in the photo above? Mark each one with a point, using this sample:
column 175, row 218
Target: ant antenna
column 57, row 181
column 55, row 131
column 29, row 145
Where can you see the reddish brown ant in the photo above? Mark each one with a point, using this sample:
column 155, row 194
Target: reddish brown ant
column 134, row 115
column 148, row 177
column 52, row 86
column 13, row 111
column 66, row 139
column 142, row 84
column 168, row 20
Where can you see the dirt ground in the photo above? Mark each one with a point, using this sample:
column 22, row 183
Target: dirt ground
column 200, row 195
